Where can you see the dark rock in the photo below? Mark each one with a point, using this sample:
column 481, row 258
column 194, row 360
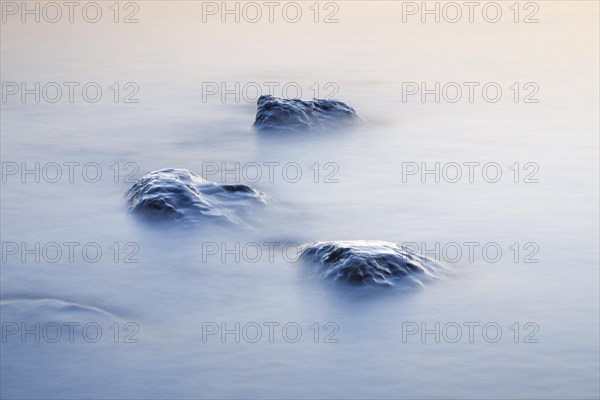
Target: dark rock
column 178, row 194
column 275, row 114
column 366, row 262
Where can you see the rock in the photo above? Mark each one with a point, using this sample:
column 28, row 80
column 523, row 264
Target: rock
column 275, row 114
column 178, row 194
column 366, row 262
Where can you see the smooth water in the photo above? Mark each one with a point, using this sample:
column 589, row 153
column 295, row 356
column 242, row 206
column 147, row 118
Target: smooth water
column 181, row 288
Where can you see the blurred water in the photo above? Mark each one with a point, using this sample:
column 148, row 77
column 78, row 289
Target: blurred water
column 174, row 288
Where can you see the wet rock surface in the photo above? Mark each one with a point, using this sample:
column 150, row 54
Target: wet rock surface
column 178, row 194
column 375, row 263
column 294, row 115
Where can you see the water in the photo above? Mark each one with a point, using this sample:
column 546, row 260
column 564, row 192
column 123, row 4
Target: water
column 176, row 289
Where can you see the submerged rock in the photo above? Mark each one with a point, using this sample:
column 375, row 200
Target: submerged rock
column 367, row 262
column 179, row 194
column 275, row 114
